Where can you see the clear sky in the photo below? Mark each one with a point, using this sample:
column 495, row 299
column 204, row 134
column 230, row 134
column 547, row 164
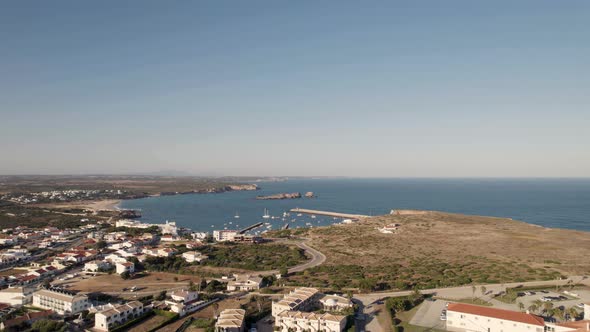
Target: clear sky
column 348, row 88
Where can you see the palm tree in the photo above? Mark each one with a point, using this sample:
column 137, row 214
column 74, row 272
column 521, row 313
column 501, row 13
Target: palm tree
column 483, row 290
column 559, row 313
column 473, row 292
column 547, row 306
column 520, row 306
column 538, row 303
column 533, row 308
column 572, row 312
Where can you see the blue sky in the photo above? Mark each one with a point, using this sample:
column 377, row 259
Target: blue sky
column 396, row 89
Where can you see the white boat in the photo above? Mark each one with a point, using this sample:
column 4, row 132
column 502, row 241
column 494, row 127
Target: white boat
column 308, row 224
column 313, row 216
column 230, row 223
column 237, row 215
column 266, row 215
column 299, row 214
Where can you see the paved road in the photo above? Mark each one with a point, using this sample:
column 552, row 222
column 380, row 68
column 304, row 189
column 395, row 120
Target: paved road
column 466, row 291
column 317, row 258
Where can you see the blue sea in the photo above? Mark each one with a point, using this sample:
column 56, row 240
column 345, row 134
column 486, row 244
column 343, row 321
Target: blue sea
column 557, row 203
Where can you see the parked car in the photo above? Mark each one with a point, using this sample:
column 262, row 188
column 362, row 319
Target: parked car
column 580, row 305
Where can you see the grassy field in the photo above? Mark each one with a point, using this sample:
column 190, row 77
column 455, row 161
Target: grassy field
column 436, row 249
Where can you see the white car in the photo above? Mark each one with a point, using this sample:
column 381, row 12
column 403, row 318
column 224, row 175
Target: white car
column 580, row 305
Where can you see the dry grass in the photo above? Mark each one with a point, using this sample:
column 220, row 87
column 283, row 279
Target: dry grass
column 113, row 283
column 442, row 249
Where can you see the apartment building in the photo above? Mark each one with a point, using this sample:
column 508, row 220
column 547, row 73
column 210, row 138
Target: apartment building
column 115, row 315
column 60, row 301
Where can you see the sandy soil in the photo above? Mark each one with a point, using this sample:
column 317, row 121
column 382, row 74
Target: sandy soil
column 113, row 284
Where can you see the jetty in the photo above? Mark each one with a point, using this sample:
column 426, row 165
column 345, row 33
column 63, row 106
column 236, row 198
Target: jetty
column 330, row 214
column 244, row 230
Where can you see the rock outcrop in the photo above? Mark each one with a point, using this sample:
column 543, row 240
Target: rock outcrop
column 281, row 196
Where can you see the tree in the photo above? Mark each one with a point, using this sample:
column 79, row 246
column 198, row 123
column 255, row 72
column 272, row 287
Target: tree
column 284, row 271
column 100, row 245
column 161, row 296
column 175, row 279
column 473, row 292
column 125, row 275
column 572, row 312
column 559, row 313
column 533, row 308
column 47, row 325
column 215, row 308
column 547, row 306
column 520, row 306
column 483, row 290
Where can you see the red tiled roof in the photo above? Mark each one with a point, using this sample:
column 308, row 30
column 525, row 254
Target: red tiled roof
column 580, row 325
column 513, row 316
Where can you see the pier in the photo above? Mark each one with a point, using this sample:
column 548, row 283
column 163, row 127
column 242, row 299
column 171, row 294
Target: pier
column 258, row 224
column 330, row 214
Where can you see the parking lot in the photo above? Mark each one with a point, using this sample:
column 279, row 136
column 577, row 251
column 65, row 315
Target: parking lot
column 428, row 315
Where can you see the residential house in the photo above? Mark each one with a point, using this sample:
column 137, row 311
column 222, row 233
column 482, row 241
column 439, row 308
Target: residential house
column 244, row 282
column 230, row 320
column 194, row 256
column 114, row 315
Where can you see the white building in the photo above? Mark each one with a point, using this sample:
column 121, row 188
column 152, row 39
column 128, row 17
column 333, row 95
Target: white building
column 97, row 266
column 199, row 235
column 244, row 282
column 169, row 228
column 298, row 321
column 128, row 267
column 224, row 235
column 115, row 315
column 466, row 317
column 184, row 302
column 62, row 302
column 17, row 296
column 184, row 295
column 194, row 256
column 230, row 320
column 335, row 303
column 302, row 298
column 132, row 224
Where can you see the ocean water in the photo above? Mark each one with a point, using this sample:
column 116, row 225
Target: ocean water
column 558, row 203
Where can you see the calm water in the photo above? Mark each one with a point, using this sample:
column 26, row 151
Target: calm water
column 563, row 203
